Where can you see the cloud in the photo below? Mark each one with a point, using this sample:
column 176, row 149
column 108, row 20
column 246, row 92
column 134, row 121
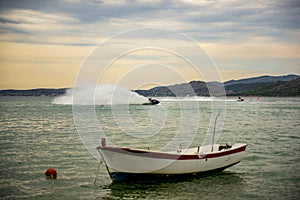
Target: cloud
column 33, row 22
column 258, row 55
column 24, row 65
column 238, row 34
column 203, row 20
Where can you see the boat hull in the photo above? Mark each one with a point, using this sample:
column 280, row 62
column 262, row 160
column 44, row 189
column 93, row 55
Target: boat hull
column 125, row 176
column 125, row 163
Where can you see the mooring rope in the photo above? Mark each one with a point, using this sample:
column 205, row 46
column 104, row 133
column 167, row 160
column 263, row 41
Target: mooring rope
column 97, row 171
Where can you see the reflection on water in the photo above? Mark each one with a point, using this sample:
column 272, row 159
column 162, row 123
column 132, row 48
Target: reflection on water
column 206, row 187
column 36, row 134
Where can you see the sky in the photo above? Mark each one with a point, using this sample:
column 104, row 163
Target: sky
column 45, row 43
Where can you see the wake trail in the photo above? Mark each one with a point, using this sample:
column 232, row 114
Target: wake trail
column 101, row 95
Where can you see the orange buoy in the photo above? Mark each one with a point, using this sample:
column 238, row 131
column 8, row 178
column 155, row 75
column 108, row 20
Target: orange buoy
column 51, row 173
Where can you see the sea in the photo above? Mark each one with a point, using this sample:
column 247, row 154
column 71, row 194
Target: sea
column 37, row 133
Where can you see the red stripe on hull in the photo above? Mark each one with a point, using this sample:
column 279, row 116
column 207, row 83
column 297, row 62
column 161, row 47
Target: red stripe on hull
column 224, row 153
column 148, row 154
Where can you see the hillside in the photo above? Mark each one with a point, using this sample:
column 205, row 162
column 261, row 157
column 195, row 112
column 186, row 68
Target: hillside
column 289, row 88
column 193, row 88
column 258, row 86
column 34, row 92
column 265, row 86
column 262, row 79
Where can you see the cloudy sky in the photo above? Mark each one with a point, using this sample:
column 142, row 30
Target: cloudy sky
column 44, row 43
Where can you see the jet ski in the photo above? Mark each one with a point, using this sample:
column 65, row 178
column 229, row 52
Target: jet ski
column 240, row 99
column 151, row 102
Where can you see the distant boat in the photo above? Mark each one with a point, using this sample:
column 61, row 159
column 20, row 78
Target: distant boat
column 151, row 102
column 240, row 99
column 126, row 163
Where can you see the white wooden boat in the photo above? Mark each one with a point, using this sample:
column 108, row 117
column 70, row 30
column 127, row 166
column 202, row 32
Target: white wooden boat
column 127, row 163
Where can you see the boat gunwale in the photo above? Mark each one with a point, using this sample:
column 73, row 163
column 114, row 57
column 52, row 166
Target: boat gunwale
column 173, row 156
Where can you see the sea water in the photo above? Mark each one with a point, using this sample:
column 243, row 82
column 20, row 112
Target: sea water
column 36, row 134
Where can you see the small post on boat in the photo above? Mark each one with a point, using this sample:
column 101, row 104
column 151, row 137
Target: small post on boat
column 103, row 142
column 213, row 138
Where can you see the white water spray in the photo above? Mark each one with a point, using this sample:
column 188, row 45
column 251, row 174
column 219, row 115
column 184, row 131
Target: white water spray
column 103, row 95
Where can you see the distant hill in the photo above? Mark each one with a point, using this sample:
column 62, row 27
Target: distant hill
column 262, row 79
column 193, row 88
column 34, row 92
column 280, row 88
column 184, row 89
column 243, row 86
column 258, row 86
